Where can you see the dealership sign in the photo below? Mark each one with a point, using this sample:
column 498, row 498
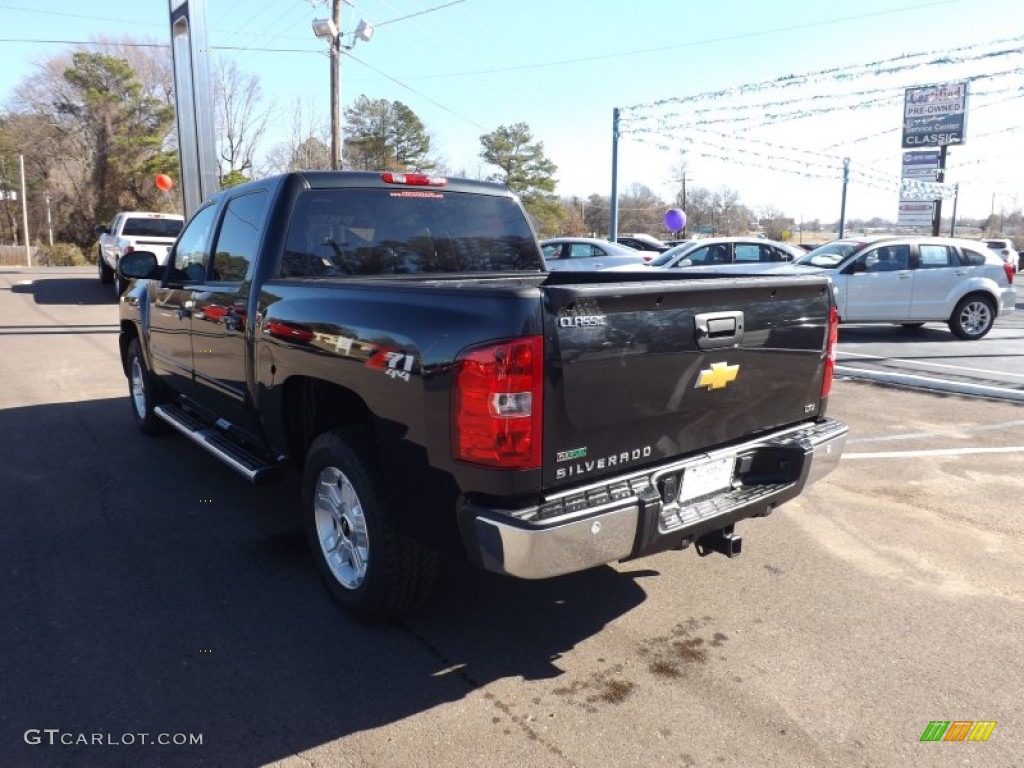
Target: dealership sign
column 935, row 115
column 916, row 213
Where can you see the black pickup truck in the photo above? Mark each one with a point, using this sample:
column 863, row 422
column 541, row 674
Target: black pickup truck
column 396, row 340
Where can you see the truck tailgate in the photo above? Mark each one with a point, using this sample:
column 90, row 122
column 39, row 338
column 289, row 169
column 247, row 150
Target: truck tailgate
column 644, row 370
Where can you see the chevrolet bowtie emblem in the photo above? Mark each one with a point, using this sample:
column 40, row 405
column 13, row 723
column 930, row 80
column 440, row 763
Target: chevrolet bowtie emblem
column 718, row 376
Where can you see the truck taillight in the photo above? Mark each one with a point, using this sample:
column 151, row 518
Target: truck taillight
column 830, row 351
column 414, row 179
column 497, row 404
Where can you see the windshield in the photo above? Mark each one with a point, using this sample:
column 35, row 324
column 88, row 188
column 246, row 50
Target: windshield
column 669, row 255
column 829, row 255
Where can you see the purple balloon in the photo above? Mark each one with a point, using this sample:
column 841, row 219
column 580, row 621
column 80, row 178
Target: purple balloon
column 675, row 220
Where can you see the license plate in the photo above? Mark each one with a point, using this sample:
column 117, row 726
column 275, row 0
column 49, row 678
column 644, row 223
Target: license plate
column 706, row 479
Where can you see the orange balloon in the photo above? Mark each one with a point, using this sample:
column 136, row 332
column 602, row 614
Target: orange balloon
column 164, row 182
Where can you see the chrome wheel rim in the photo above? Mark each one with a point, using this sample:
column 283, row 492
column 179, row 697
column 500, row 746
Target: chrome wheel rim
column 138, row 389
column 341, row 528
column 975, row 317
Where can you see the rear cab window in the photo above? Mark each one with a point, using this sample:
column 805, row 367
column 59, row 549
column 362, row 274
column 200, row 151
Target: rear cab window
column 348, row 231
column 137, row 226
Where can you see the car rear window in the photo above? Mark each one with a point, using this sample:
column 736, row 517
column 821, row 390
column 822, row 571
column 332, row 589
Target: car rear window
column 146, row 227
column 336, row 232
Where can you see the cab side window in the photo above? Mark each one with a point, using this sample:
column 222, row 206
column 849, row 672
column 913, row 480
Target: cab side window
column 193, row 247
column 936, row 256
column 239, row 237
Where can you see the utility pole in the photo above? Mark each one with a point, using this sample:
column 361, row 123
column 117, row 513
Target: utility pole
column 24, row 212
column 842, row 209
column 336, row 88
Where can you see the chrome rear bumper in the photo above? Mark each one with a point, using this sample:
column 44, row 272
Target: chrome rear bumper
column 634, row 515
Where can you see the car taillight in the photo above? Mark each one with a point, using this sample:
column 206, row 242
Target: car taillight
column 414, row 179
column 129, row 248
column 830, row 351
column 647, row 258
column 1008, row 269
column 497, row 404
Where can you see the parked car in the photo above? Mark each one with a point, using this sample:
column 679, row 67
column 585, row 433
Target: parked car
column 642, row 242
column 916, row 280
column 587, row 253
column 1005, row 249
column 714, row 251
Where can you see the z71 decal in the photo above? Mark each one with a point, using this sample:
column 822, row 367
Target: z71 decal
column 397, row 365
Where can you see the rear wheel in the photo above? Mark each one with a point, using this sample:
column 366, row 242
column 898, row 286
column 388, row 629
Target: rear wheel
column 973, row 317
column 106, row 273
column 370, row 565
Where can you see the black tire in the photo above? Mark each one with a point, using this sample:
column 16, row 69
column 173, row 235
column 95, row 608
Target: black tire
column 973, row 317
column 143, row 393
column 369, row 563
column 106, row 273
column 119, row 287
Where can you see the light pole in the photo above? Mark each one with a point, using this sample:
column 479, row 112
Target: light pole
column 330, row 30
column 842, row 210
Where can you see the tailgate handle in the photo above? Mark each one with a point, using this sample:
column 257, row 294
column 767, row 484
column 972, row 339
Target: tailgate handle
column 718, row 329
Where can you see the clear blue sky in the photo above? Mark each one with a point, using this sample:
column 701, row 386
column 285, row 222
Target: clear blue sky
column 562, row 66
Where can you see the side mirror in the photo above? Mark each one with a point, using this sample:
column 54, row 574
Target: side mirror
column 139, row 265
column 684, row 263
column 855, row 267
column 101, row 229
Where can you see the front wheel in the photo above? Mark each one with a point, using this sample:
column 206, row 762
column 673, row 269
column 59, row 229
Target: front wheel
column 142, row 390
column 973, row 317
column 370, row 565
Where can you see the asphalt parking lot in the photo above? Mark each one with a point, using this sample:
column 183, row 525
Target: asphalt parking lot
column 148, row 590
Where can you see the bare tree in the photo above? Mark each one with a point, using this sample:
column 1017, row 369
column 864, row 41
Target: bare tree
column 641, row 210
column 308, row 146
column 241, row 118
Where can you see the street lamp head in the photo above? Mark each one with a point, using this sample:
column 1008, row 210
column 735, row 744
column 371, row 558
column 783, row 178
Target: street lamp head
column 364, row 31
column 325, row 28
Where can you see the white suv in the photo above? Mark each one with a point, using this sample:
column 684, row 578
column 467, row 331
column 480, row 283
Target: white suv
column 1004, row 247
